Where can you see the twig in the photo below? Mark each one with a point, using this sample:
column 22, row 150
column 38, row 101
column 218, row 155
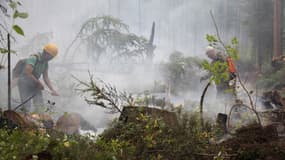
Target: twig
column 107, row 97
column 217, row 30
column 256, row 95
column 239, row 105
column 253, row 107
column 247, row 92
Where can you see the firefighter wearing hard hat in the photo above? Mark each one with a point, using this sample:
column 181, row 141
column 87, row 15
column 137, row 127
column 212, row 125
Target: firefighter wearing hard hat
column 29, row 84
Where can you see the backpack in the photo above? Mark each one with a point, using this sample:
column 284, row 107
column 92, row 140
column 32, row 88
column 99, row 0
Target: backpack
column 19, row 67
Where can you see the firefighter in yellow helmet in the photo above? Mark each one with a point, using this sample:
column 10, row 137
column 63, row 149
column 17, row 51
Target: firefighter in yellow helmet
column 29, row 84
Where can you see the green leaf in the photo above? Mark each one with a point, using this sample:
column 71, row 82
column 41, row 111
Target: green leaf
column 211, row 38
column 20, row 14
column 4, row 50
column 235, row 41
column 206, row 65
column 13, row 5
column 18, row 29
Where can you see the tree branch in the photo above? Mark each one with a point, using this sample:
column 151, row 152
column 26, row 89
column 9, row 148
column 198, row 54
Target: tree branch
column 217, row 30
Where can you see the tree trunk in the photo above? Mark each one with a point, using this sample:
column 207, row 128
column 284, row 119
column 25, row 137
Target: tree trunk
column 277, row 31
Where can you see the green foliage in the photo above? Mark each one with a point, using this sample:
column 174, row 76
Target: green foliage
column 153, row 139
column 104, row 95
column 111, row 37
column 10, row 14
column 18, row 29
column 22, row 15
column 7, row 24
column 212, row 39
column 18, row 144
column 114, row 149
column 4, row 50
column 14, row 5
column 104, row 22
column 22, row 144
column 147, row 138
column 219, row 68
column 181, row 71
column 231, row 50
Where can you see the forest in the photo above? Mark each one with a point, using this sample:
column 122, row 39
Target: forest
column 142, row 80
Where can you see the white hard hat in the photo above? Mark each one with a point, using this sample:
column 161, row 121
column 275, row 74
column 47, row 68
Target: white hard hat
column 209, row 48
column 211, row 52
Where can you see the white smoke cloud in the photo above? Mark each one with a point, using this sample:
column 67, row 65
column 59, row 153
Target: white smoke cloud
column 180, row 25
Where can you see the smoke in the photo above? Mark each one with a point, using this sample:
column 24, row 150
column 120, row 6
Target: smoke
column 180, row 25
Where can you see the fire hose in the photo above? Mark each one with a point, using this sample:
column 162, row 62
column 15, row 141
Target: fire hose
column 29, row 98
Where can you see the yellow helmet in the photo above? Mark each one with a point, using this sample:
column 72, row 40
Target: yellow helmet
column 51, row 48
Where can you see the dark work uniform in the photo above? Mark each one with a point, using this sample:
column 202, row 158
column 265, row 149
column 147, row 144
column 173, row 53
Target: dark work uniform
column 224, row 90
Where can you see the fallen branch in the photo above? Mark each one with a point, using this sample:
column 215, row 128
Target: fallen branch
column 105, row 96
column 217, row 30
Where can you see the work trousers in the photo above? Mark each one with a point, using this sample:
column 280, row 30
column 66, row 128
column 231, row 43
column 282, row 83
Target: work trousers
column 28, row 89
